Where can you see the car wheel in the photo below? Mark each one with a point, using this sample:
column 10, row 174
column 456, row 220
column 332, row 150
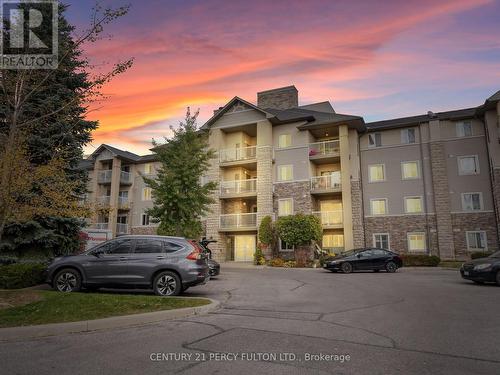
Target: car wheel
column 167, row 283
column 346, row 267
column 391, row 267
column 67, row 280
column 498, row 278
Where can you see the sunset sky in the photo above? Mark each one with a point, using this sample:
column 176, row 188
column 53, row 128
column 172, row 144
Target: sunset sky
column 377, row 59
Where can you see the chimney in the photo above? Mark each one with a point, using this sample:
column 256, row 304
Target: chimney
column 280, row 98
column 217, row 110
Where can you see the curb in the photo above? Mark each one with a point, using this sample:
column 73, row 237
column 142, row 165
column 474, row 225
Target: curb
column 55, row 329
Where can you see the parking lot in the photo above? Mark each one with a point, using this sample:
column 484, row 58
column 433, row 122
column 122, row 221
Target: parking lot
column 296, row 321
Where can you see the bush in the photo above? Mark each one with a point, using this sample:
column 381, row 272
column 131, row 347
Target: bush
column 418, row 260
column 276, row 262
column 480, row 254
column 258, row 257
column 21, row 275
column 299, row 229
column 266, row 231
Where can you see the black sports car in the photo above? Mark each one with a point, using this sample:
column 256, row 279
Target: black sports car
column 213, row 266
column 483, row 269
column 364, row 259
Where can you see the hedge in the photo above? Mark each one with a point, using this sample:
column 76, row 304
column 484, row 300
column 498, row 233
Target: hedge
column 21, row 275
column 480, row 254
column 418, row 260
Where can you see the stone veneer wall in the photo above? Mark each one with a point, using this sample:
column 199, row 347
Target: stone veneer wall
column 357, row 214
column 146, row 230
column 299, row 191
column 496, row 201
column 398, row 227
column 476, row 221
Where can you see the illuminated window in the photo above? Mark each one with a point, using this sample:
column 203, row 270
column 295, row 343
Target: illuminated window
column 416, row 242
column 378, row 206
column 410, row 170
column 413, row 205
column 285, row 172
column 333, row 241
column 285, row 207
column 148, row 168
column 284, row 140
column 376, row 172
column 146, row 194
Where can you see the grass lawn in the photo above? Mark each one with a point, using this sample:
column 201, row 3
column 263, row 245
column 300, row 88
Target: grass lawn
column 451, row 264
column 29, row 307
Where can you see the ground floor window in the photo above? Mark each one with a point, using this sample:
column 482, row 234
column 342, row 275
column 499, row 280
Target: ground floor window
column 145, row 219
column 416, row 242
column 333, row 241
column 284, row 246
column 381, row 240
column 476, row 240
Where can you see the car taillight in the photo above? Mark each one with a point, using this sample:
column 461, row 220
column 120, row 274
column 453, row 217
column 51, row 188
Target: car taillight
column 194, row 255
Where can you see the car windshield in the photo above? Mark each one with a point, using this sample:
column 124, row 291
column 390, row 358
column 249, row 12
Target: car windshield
column 348, row 253
column 495, row 255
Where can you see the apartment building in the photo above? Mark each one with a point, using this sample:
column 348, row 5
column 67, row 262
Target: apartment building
column 422, row 184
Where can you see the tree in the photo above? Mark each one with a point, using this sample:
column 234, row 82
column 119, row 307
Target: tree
column 300, row 230
column 266, row 236
column 180, row 198
column 43, row 127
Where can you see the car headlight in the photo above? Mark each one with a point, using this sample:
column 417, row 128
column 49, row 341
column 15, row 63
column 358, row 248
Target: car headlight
column 483, row 266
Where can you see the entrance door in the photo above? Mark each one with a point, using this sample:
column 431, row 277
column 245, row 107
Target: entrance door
column 244, row 248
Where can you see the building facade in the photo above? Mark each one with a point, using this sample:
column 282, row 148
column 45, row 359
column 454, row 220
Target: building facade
column 422, row 184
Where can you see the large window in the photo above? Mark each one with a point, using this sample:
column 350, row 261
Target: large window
column 413, row 205
column 408, row 135
column 416, row 242
column 376, row 172
column 472, row 201
column 285, row 207
column 284, row 140
column 381, row 240
column 149, row 246
column 332, row 241
column 285, row 172
column 146, row 194
column 374, row 140
column 378, row 206
column 468, row 165
column 464, row 129
column 410, row 170
column 476, row 240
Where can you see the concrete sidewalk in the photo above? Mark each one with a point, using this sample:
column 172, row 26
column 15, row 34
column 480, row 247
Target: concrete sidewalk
column 56, row 329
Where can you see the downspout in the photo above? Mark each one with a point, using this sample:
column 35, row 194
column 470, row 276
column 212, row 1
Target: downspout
column 427, row 232
column 361, row 191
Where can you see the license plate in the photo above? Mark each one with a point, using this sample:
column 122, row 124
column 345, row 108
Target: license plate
column 466, row 273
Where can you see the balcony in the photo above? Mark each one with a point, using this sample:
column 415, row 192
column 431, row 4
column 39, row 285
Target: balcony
column 330, row 219
column 238, row 156
column 125, row 177
column 326, row 184
column 324, row 152
column 121, row 228
column 101, row 226
column 123, row 203
column 104, row 177
column 238, row 188
column 104, row 200
column 233, row 222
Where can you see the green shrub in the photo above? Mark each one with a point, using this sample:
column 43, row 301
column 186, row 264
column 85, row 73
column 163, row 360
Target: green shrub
column 21, row 275
column 266, row 230
column 299, row 229
column 258, row 257
column 480, row 254
column 418, row 260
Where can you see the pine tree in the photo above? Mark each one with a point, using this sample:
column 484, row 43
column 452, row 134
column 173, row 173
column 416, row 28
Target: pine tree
column 180, row 197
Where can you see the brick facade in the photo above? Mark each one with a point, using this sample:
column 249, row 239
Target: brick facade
column 146, row 230
column 463, row 222
column 357, row 214
column 282, row 98
column 299, row 191
column 496, row 200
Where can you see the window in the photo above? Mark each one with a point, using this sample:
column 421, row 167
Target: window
column 285, row 172
column 284, row 246
column 285, row 207
column 464, row 129
column 468, row 165
column 332, row 241
column 374, row 140
column 146, row 194
column 149, row 246
column 376, row 172
column 120, row 247
column 145, row 219
column 381, row 240
column 148, row 168
column 416, row 242
column 476, row 240
column 378, row 206
column 408, row 135
column 284, row 140
column 410, row 170
column 170, row 247
column 413, row 205
column 472, row 201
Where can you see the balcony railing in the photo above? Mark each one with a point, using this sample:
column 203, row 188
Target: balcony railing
column 101, row 225
column 329, row 218
column 236, row 221
column 121, row 228
column 104, row 177
column 237, row 154
column 123, row 202
column 329, row 182
column 238, row 187
column 326, row 148
column 125, row 177
column 105, row 199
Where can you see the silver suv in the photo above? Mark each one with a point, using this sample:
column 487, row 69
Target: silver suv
column 168, row 265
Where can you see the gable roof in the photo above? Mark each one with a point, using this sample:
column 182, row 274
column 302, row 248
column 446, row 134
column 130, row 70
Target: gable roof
column 116, row 152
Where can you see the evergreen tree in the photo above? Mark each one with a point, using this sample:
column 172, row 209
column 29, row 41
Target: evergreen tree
column 179, row 196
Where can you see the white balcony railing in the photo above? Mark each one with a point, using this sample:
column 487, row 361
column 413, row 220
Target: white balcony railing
column 235, row 221
column 121, row 228
column 326, row 148
column 125, row 177
column 329, row 218
column 101, row 225
column 122, row 201
column 105, row 199
column 329, row 182
column 238, row 187
column 237, row 154
column 104, row 177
